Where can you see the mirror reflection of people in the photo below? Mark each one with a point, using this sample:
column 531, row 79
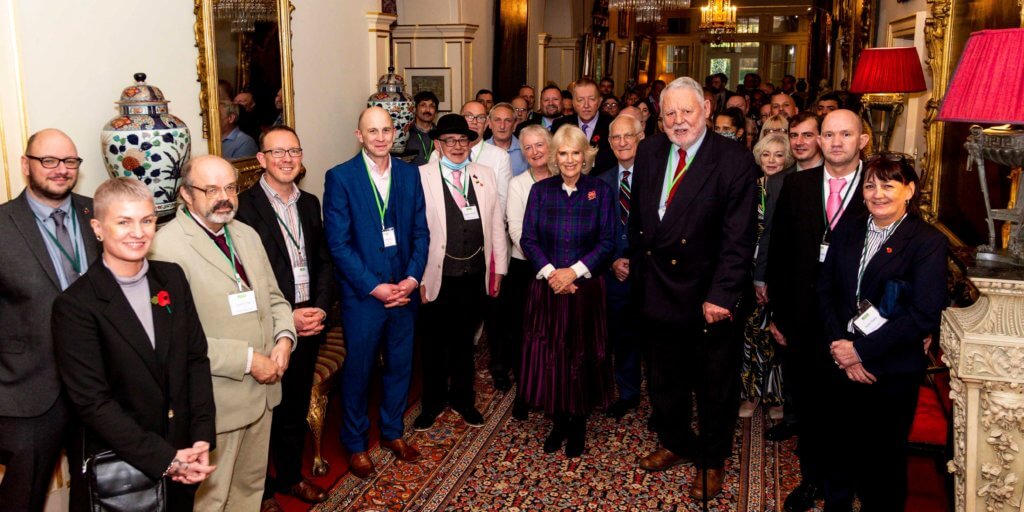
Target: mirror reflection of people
column 279, row 106
column 234, row 143
column 132, row 355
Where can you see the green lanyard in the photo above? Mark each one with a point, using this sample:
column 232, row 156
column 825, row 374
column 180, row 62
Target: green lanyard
column 76, row 262
column 463, row 187
column 423, row 145
column 864, row 251
column 289, row 231
column 382, row 203
column 675, row 179
column 231, row 251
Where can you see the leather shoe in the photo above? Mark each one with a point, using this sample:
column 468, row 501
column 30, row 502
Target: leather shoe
column 425, row 420
column 403, row 450
column 307, row 491
column 360, row 465
column 271, row 505
column 502, row 383
column 662, row 459
column 802, row 498
column 621, row 407
column 781, row 432
column 714, row 485
column 520, row 411
column 471, row 416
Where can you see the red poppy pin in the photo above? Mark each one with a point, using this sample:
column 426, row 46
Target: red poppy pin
column 595, row 139
column 888, row 250
column 162, row 299
column 86, row 210
column 591, row 195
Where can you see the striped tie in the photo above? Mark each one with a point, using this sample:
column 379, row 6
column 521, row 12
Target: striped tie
column 624, row 197
column 677, row 175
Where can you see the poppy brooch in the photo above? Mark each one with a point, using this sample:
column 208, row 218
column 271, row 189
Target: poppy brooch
column 162, row 299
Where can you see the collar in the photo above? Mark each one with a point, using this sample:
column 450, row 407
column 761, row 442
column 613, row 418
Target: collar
column 513, row 144
column 372, row 166
column 43, row 211
column 848, row 177
column 232, row 135
column 130, row 280
column 629, row 169
column 691, row 152
column 590, row 124
column 272, row 194
column 202, row 223
column 818, row 162
column 417, row 128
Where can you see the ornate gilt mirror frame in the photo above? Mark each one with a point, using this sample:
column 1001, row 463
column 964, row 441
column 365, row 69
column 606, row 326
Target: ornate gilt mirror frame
column 248, row 168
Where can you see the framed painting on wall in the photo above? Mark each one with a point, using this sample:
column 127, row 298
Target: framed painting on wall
column 435, row 80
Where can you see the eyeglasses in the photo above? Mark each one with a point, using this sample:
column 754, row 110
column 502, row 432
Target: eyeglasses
column 519, row 110
column 628, row 137
column 480, row 118
column 611, row 104
column 229, row 190
column 51, row 162
column 775, row 130
column 452, row 142
column 891, row 156
column 279, row 153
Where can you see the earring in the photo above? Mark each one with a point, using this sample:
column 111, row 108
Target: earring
column 99, row 238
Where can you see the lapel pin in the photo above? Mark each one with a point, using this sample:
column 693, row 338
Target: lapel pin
column 591, row 195
column 86, row 210
column 888, row 250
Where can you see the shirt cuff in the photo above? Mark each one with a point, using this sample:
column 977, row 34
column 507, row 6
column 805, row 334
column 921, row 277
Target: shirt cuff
column 545, row 271
column 581, row 270
column 286, row 334
column 758, row 283
column 248, row 362
column 413, row 280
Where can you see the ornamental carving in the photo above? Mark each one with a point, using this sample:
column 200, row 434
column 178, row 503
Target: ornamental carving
column 1002, row 418
column 994, row 361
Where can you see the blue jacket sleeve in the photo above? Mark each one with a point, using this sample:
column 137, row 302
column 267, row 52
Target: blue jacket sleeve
column 421, row 233
column 339, row 228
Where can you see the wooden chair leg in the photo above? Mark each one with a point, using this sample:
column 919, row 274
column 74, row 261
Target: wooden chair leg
column 315, row 418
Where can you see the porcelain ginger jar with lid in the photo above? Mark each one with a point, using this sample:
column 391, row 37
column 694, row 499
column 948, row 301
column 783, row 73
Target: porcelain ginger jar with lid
column 391, row 96
column 147, row 143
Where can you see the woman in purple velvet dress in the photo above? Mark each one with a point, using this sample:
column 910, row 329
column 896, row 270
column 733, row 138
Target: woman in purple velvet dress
column 568, row 238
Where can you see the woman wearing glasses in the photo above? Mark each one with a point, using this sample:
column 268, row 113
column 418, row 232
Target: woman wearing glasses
column 132, row 355
column 882, row 289
column 610, row 105
column 569, row 238
column 774, row 124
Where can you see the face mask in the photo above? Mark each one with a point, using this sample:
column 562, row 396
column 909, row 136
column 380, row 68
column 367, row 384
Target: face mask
column 728, row 135
column 452, row 165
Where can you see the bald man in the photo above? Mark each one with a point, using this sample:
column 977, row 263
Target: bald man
column 43, row 252
column 376, row 225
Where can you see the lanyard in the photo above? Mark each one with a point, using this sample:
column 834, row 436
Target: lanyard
column 675, row 179
column 231, row 260
column 289, row 231
column 423, row 145
column 842, row 204
column 76, row 262
column 864, row 260
column 461, row 188
column 382, row 203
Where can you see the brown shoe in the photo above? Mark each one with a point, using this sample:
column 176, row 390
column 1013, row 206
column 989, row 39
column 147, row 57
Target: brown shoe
column 662, row 459
column 271, row 505
column 715, row 477
column 360, row 465
column 307, row 491
column 403, row 450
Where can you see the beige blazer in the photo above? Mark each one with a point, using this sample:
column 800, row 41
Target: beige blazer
column 239, row 398
column 491, row 216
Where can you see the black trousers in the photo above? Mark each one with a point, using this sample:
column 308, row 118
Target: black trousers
column 448, row 325
column 288, row 428
column 870, row 425
column 29, row 448
column 504, row 320
column 686, row 361
column 809, row 380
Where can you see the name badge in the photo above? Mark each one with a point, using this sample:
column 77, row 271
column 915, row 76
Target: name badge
column 389, row 237
column 301, row 274
column 242, row 302
column 822, row 252
column 470, row 212
column 869, row 320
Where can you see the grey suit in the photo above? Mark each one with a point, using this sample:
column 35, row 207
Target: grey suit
column 32, row 412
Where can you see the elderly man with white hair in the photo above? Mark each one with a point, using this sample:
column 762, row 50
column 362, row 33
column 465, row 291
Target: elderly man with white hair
column 691, row 240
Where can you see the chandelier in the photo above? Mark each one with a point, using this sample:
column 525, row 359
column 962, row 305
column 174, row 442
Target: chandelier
column 717, row 20
column 243, row 14
column 648, row 11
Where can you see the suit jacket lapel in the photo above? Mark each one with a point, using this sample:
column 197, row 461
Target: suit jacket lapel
column 888, row 253
column 701, row 168
column 652, row 191
column 481, row 197
column 436, row 189
column 26, row 223
column 266, row 212
column 207, row 248
column 84, row 216
column 120, row 314
column 162, row 324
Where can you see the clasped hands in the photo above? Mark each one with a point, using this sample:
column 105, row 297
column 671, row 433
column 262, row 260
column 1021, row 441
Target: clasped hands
column 269, row 370
column 846, row 359
column 562, row 281
column 394, row 295
column 309, row 321
column 191, row 465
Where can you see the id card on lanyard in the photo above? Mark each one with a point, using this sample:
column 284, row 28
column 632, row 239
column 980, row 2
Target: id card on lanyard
column 387, row 234
column 243, row 301
column 470, row 211
column 299, row 269
column 823, row 247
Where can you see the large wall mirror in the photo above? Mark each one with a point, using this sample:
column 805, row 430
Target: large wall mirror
column 245, row 72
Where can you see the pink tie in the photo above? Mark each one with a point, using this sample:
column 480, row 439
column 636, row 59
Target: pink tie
column 835, row 201
column 457, row 178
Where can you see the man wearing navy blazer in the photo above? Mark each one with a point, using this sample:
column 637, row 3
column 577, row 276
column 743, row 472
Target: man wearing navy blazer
column 589, row 118
column 691, row 239
column 374, row 216
column 625, row 134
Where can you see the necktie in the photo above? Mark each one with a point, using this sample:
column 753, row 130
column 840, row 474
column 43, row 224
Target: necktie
column 64, row 239
column 834, row 203
column 221, row 242
column 459, row 199
column 624, row 197
column 677, row 175
column 586, row 130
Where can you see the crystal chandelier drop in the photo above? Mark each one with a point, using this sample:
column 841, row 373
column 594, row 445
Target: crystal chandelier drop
column 717, row 20
column 244, row 14
column 648, row 11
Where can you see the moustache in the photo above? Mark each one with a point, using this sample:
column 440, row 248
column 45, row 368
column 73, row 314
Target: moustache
column 223, row 203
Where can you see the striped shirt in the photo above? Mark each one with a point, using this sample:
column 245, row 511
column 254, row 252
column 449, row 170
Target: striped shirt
column 873, row 241
column 287, row 213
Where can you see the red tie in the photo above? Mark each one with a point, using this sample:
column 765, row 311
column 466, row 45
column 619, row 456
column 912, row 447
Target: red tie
column 677, row 176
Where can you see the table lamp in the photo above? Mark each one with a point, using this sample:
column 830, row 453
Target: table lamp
column 884, row 76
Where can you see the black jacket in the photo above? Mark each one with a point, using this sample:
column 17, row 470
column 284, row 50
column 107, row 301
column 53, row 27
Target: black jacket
column 598, row 139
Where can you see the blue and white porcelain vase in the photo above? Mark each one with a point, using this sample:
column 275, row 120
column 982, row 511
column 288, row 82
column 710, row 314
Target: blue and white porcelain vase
column 148, row 143
column 391, row 96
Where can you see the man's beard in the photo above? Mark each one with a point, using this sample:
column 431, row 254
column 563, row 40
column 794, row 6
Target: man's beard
column 42, row 188
column 221, row 218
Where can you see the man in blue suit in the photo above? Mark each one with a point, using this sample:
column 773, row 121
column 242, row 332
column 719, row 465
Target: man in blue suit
column 377, row 235
column 625, row 134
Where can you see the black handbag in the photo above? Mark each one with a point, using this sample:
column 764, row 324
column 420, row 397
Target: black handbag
column 116, row 486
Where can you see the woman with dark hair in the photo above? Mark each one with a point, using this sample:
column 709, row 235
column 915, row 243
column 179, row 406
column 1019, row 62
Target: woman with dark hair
column 650, row 125
column 610, row 105
column 730, row 124
column 882, row 289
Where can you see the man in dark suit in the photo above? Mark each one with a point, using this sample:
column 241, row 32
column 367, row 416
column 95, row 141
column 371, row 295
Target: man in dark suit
column 288, row 222
column 810, row 204
column 692, row 227
column 374, row 216
column 625, row 134
column 47, row 246
column 591, row 120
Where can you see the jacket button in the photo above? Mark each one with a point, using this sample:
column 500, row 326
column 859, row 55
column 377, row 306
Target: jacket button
column 648, row 253
column 673, row 262
column 170, row 413
column 682, row 242
column 641, row 232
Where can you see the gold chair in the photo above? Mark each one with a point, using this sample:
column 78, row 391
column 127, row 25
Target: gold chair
column 328, row 363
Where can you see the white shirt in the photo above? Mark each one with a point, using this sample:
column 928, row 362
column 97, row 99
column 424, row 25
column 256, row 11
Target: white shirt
column 848, row 180
column 381, row 180
column 518, row 194
column 670, row 169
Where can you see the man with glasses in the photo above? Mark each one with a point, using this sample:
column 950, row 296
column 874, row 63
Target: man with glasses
column 501, row 120
column 523, row 114
column 289, row 224
column 43, row 252
column 484, row 153
column 377, row 236
column 248, row 324
column 591, row 120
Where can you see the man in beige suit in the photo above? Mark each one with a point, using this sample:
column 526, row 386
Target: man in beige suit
column 466, row 259
column 248, row 325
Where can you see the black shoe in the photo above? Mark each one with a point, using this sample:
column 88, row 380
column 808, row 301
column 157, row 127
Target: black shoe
column 621, row 407
column 425, row 420
column 577, row 440
column 520, row 411
column 554, row 440
column 471, row 416
column 502, row 383
column 802, row 498
column 781, row 432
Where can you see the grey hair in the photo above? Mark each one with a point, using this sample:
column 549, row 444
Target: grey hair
column 116, row 190
column 503, row 104
column 186, row 170
column 634, row 123
column 684, row 82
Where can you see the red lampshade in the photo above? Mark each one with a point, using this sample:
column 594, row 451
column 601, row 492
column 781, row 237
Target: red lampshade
column 888, row 70
column 988, row 86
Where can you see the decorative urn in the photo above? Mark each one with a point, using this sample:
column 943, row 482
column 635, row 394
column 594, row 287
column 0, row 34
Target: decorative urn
column 147, row 143
column 391, row 96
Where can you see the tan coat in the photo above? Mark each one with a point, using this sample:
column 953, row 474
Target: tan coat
column 239, row 398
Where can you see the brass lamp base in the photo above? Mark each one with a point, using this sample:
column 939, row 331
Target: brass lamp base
column 885, row 108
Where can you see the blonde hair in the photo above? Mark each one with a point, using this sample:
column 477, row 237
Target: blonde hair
column 571, row 135
column 118, row 190
column 539, row 131
column 770, row 140
column 776, row 121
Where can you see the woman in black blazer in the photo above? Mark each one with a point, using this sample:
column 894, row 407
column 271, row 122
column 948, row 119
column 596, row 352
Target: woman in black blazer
column 132, row 355
column 882, row 290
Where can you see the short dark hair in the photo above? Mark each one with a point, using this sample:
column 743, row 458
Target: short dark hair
column 723, row 76
column 888, row 166
column 829, row 97
column 608, row 79
column 566, row 95
column 805, row 116
column 278, row 128
column 484, row 91
column 549, row 86
column 735, row 116
column 425, row 96
column 791, row 77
